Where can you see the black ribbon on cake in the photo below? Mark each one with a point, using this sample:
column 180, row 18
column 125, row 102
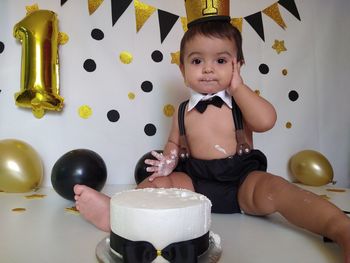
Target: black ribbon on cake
column 144, row 252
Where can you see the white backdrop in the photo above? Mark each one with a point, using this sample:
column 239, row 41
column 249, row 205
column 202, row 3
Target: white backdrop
column 317, row 61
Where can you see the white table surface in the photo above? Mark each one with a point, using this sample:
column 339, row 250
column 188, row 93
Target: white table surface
column 45, row 232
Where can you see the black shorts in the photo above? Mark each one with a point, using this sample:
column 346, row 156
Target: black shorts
column 220, row 179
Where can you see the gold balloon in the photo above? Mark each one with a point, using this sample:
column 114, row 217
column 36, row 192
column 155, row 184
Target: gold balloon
column 38, row 33
column 21, row 169
column 311, row 168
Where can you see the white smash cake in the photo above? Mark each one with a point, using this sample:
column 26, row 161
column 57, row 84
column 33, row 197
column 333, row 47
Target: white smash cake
column 161, row 217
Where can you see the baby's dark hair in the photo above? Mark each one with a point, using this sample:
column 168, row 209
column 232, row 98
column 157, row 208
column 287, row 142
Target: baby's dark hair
column 218, row 29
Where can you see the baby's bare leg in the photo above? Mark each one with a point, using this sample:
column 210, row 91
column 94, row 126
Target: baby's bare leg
column 263, row 193
column 93, row 206
column 174, row 180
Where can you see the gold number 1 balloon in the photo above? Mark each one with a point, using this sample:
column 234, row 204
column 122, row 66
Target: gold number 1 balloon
column 38, row 33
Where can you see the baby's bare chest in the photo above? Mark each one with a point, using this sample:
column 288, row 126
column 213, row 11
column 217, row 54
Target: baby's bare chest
column 213, row 122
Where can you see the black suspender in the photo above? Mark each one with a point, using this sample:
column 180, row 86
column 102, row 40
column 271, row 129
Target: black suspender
column 242, row 146
column 184, row 151
column 181, row 117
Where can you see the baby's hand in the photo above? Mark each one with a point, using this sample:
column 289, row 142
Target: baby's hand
column 236, row 76
column 163, row 166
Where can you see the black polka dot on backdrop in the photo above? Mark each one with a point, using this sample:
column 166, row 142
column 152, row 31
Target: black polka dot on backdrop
column 264, row 69
column 2, row 47
column 113, row 115
column 150, row 129
column 157, row 56
column 97, row 34
column 147, row 86
column 89, row 65
column 293, row 95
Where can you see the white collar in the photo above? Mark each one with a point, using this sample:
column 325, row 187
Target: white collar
column 197, row 97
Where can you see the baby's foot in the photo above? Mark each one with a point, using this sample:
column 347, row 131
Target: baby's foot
column 343, row 239
column 93, row 206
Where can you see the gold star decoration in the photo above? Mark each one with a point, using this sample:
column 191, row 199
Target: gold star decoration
column 175, row 58
column 279, row 46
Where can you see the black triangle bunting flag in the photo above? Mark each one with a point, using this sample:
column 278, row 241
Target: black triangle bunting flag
column 255, row 20
column 166, row 23
column 118, row 8
column 63, row 2
column 291, row 7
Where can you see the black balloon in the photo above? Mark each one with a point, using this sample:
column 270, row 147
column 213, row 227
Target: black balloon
column 79, row 166
column 140, row 172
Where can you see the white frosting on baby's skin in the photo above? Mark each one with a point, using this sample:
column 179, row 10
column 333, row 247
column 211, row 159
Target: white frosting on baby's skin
column 160, row 216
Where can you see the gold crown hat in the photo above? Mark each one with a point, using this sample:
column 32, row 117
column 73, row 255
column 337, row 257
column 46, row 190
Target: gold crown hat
column 207, row 10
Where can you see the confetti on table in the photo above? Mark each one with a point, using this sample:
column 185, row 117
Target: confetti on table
column 35, row 196
column 72, row 210
column 336, row 190
column 325, row 196
column 18, row 209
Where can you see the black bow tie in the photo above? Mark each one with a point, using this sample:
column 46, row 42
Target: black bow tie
column 144, row 252
column 202, row 105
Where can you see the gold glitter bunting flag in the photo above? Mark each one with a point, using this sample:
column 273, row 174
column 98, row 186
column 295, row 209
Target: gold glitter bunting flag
column 237, row 23
column 184, row 23
column 142, row 13
column 93, row 5
column 274, row 12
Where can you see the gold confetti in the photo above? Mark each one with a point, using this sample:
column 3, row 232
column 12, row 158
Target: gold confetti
column 288, row 125
column 337, row 190
column 72, row 210
column 131, row 95
column 284, row 72
column 175, row 58
column 168, row 110
column 18, row 209
column 325, row 197
column 125, row 57
column 62, row 38
column 32, row 8
column 85, row 111
column 279, row 46
column 35, row 196
column 257, row 92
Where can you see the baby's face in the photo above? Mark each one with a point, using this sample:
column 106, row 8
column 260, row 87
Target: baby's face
column 207, row 66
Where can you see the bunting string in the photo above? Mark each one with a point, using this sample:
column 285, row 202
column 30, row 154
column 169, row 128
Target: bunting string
column 167, row 20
